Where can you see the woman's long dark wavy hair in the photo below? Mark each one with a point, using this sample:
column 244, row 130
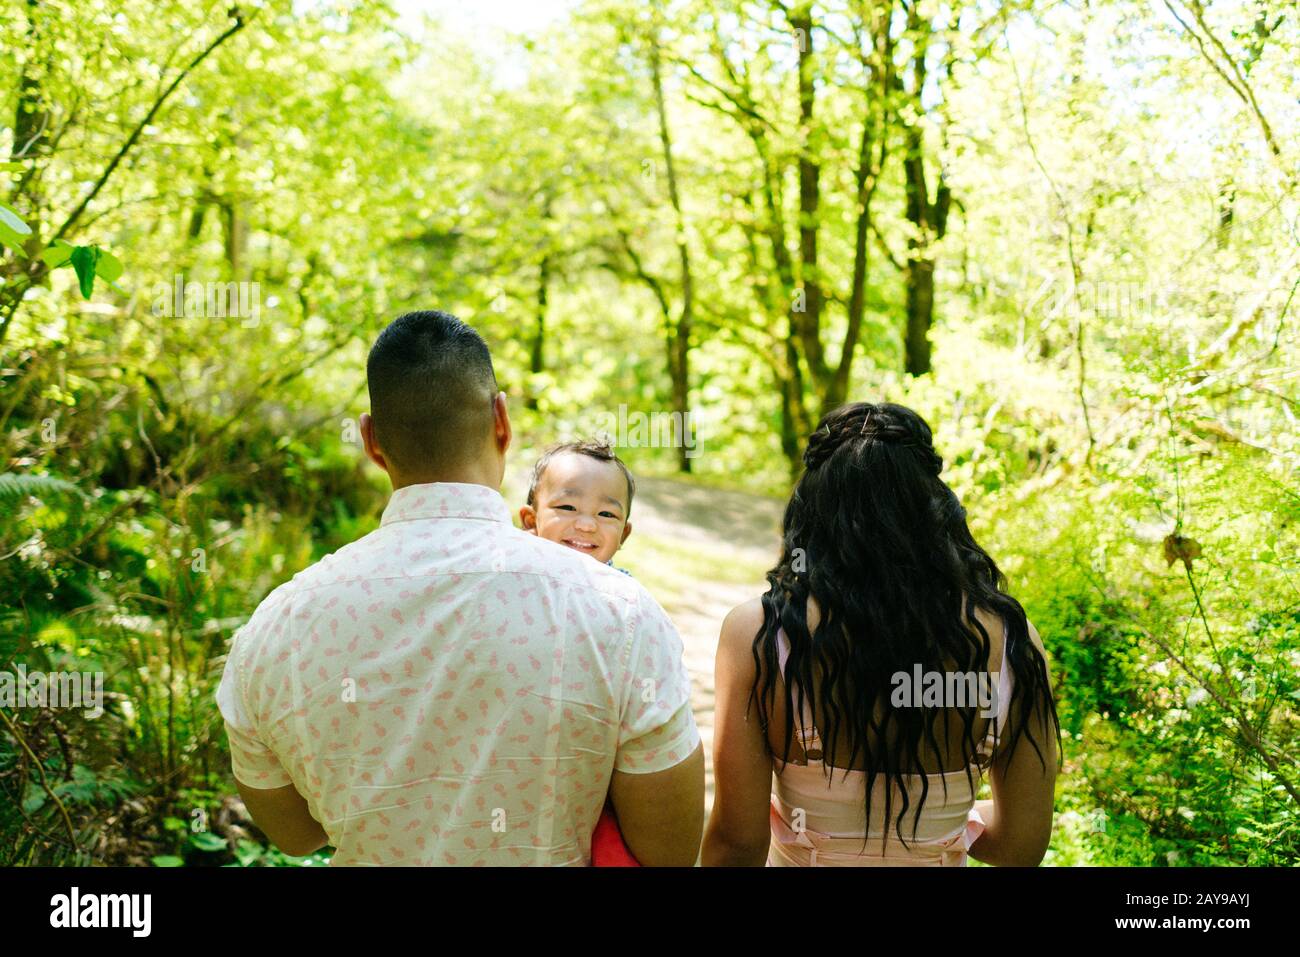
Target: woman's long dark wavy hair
column 881, row 542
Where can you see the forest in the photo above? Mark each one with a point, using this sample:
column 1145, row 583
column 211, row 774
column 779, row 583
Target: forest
column 1067, row 232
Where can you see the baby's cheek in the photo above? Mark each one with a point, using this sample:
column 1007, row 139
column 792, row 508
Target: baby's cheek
column 551, row 531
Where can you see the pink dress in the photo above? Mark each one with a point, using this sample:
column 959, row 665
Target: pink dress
column 816, row 822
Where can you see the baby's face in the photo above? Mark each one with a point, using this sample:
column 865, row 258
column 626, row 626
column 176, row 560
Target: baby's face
column 581, row 503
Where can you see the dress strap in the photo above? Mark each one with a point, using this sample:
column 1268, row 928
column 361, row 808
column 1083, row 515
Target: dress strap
column 805, row 730
column 782, row 650
column 1005, row 679
column 997, row 726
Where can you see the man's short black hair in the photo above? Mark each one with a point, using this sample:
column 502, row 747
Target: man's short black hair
column 597, row 449
column 431, row 391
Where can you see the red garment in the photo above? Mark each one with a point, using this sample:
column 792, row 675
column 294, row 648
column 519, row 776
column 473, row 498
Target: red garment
column 607, row 846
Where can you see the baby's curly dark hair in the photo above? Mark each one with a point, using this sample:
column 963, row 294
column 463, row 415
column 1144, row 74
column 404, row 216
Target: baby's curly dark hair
column 598, row 449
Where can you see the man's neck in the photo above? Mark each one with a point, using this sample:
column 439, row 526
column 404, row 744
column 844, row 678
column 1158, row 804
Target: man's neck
column 486, row 477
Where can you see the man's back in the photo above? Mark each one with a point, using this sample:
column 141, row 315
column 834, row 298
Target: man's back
column 450, row 690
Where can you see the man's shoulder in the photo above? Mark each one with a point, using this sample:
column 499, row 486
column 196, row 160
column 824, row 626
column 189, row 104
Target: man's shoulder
column 505, row 551
column 564, row 569
column 337, row 567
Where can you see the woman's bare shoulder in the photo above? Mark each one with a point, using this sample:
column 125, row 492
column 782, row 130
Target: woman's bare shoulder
column 736, row 642
column 743, row 621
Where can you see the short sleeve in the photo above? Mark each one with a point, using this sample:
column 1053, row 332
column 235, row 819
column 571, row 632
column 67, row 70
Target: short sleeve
column 657, row 730
column 253, row 763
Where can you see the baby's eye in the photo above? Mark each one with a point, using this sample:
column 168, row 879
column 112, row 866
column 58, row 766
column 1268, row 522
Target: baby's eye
column 608, row 515
column 569, row 507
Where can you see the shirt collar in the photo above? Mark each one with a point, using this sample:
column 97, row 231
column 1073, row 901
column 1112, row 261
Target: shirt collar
column 446, row 500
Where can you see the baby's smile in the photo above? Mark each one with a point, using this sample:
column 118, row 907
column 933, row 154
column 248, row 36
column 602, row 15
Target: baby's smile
column 581, row 503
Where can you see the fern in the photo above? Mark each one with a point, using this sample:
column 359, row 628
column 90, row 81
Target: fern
column 14, row 487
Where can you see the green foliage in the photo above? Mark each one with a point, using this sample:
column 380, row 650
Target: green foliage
column 13, row 231
column 1113, row 331
column 15, row 487
column 86, row 261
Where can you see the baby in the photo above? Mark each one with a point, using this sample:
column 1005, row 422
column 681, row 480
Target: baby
column 580, row 496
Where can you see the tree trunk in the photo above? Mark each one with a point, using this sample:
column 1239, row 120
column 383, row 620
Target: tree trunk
column 537, row 354
column 783, row 379
column 196, row 220
column 920, row 315
column 865, row 177
column 236, row 228
column 1227, row 199
column 31, row 118
column 808, row 319
column 679, row 346
column 201, row 205
column 31, row 134
column 929, row 218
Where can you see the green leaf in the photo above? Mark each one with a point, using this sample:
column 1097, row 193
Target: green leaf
column 58, row 255
column 34, row 801
column 10, row 167
column 109, row 268
column 13, row 231
column 15, row 486
column 9, row 218
column 9, row 238
column 88, row 261
column 84, row 260
column 167, row 860
column 247, row 853
column 207, row 841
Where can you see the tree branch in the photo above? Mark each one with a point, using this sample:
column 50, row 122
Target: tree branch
column 104, row 177
column 1241, row 87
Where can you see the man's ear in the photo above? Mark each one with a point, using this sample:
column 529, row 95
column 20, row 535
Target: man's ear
column 627, row 530
column 373, row 452
column 528, row 518
column 501, row 434
column 501, row 422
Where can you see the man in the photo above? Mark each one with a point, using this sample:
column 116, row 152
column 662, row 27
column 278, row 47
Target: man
column 450, row 690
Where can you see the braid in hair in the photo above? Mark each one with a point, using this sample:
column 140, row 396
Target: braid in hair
column 866, row 423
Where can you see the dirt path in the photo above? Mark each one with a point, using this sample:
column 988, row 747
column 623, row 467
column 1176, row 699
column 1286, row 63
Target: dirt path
column 700, row 551
column 726, row 542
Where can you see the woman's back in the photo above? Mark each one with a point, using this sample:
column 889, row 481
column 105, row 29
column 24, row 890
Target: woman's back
column 874, row 534
column 818, row 801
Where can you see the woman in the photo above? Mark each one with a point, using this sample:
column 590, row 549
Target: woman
column 878, row 575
